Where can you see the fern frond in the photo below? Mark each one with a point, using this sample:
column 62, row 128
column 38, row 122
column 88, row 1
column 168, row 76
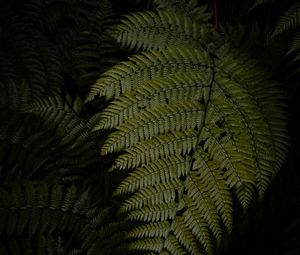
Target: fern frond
column 131, row 74
column 160, row 171
column 215, row 182
column 295, row 45
column 290, row 20
column 25, row 146
column 188, row 7
column 154, row 195
column 48, row 138
column 155, row 229
column 181, row 116
column 260, row 2
column 150, row 150
column 148, row 30
column 37, row 64
column 95, row 50
column 76, row 140
column 182, row 85
column 188, row 155
column 35, row 214
column 14, row 96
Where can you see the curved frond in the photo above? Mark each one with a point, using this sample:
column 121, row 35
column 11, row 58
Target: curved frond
column 177, row 117
column 14, row 96
column 94, row 51
column 35, row 216
column 194, row 128
column 45, row 138
column 295, row 46
column 288, row 21
column 150, row 30
column 184, row 86
column 148, row 65
column 260, row 2
column 165, row 145
column 188, row 7
column 76, row 139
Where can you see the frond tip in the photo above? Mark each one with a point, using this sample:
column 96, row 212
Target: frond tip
column 288, row 21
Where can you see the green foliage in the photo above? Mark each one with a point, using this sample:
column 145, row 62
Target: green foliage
column 45, row 138
column 37, row 218
column 192, row 125
column 260, row 2
column 188, row 7
column 48, row 155
column 180, row 132
column 289, row 22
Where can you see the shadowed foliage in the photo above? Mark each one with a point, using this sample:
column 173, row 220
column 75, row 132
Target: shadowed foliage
column 147, row 127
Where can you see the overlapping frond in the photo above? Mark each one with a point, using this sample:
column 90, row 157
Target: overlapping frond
column 37, row 218
column 45, row 42
column 76, row 141
column 154, row 92
column 36, row 63
column 149, row 65
column 296, row 42
column 189, row 7
column 288, row 21
column 43, row 138
column 14, row 96
column 45, row 135
column 192, row 126
column 95, row 50
column 150, row 30
column 260, row 2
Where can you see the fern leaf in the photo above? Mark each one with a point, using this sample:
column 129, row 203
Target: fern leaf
column 189, row 7
column 290, row 20
column 185, row 237
column 154, row 92
column 127, row 75
column 181, row 116
column 188, row 155
column 45, row 227
column 215, row 183
column 150, row 150
column 76, row 140
column 295, row 45
column 14, row 96
column 56, row 197
column 260, row 2
column 160, row 171
column 156, row 229
column 159, row 30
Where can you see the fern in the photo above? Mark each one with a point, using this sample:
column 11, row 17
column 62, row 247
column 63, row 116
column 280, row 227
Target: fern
column 188, row 7
column 295, row 43
column 191, row 132
column 44, row 40
column 14, row 96
column 43, row 138
column 94, row 50
column 162, row 29
column 192, row 125
column 35, row 216
column 289, row 21
column 260, row 2
column 27, row 56
column 73, row 132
